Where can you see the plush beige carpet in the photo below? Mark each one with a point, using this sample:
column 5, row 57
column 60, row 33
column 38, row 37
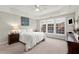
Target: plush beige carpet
column 49, row 46
column 16, row 48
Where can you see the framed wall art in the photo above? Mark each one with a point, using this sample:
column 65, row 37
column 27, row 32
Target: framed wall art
column 24, row 21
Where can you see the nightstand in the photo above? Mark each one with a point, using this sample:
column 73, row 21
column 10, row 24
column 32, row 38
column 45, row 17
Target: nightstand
column 13, row 38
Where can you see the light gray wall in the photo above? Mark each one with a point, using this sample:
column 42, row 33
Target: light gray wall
column 4, row 30
column 77, row 17
column 6, row 20
column 5, row 25
column 38, row 25
column 70, row 27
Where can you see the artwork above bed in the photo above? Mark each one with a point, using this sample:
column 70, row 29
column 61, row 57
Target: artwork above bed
column 24, row 21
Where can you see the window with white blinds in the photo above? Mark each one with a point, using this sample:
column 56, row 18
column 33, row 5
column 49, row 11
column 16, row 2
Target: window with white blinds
column 56, row 26
column 43, row 28
column 60, row 28
column 50, row 28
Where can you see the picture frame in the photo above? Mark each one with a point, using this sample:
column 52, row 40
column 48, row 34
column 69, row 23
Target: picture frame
column 24, row 21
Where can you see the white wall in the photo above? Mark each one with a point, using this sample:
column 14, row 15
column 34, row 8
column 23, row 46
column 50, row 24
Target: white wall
column 70, row 27
column 6, row 20
column 4, row 30
column 38, row 25
column 77, row 18
column 5, row 25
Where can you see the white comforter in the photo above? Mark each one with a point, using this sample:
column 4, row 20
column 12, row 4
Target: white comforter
column 31, row 38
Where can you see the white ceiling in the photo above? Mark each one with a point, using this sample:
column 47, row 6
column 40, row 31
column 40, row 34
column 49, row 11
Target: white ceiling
column 29, row 10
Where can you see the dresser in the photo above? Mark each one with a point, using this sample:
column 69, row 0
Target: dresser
column 73, row 47
column 13, row 38
column 73, row 43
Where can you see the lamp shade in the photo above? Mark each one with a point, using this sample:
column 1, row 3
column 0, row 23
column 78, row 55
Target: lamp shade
column 15, row 28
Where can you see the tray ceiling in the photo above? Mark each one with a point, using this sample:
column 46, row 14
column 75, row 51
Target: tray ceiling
column 29, row 10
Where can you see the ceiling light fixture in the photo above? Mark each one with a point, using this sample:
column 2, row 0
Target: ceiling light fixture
column 37, row 8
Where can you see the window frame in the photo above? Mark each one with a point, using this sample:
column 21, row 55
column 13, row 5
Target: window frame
column 59, row 26
column 43, row 27
column 50, row 28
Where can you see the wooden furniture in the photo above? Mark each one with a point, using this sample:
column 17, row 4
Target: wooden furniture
column 13, row 38
column 73, row 47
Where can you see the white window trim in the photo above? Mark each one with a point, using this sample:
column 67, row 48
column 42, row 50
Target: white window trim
column 49, row 22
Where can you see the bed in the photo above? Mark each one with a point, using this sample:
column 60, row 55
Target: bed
column 30, row 39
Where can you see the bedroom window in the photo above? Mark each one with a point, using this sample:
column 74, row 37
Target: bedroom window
column 43, row 29
column 60, row 28
column 50, row 28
